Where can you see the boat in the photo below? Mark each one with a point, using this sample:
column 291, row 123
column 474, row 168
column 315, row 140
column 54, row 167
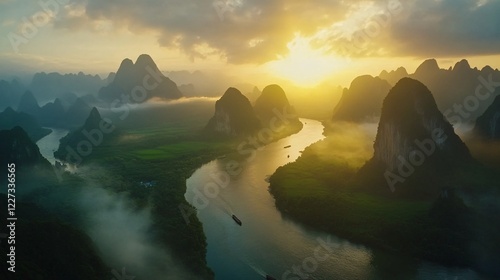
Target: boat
column 269, row 277
column 238, row 221
column 286, row 147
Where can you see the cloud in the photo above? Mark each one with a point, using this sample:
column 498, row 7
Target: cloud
column 257, row 31
column 448, row 28
column 241, row 31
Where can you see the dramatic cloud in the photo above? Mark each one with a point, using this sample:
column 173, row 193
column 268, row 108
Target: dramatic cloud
column 241, row 31
column 258, row 31
column 448, row 28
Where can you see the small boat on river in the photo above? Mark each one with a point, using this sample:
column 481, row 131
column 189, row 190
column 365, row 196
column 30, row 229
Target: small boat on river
column 238, row 221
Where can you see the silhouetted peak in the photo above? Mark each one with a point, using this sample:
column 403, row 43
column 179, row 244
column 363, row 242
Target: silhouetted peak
column 410, row 113
column 272, row 98
column 401, row 71
column 9, row 110
column 488, row 124
column 94, row 118
column 430, row 65
column 19, row 132
column 145, row 60
column 406, row 94
column 487, row 68
column 273, row 90
column 28, row 94
column 126, row 65
column 28, row 103
column 362, row 82
column 232, row 93
column 234, row 115
column 462, row 65
column 94, row 113
column 16, row 146
column 362, row 100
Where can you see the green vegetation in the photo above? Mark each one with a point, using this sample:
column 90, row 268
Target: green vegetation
column 166, row 155
column 322, row 193
column 327, row 193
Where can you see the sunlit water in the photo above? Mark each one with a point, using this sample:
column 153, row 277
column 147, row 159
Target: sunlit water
column 49, row 144
column 268, row 243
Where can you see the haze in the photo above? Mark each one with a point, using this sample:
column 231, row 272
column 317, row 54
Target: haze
column 304, row 43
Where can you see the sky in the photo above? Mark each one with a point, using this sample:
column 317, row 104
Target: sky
column 306, row 42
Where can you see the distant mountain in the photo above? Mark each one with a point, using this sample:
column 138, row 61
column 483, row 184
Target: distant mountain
column 273, row 103
column 68, row 98
column 363, row 100
column 49, row 86
column 52, row 114
column 92, row 133
column 10, row 119
column 10, row 93
column 394, row 76
column 77, row 113
column 454, row 89
column 234, row 115
column 488, row 124
column 188, row 90
column 139, row 81
column 414, row 137
column 253, row 95
column 28, row 104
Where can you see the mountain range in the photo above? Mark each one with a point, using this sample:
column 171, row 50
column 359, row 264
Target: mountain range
column 455, row 91
column 138, row 82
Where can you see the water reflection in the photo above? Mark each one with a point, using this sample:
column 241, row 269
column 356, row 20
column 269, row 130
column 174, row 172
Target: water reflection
column 270, row 243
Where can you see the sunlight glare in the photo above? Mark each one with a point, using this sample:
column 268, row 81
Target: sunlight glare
column 304, row 65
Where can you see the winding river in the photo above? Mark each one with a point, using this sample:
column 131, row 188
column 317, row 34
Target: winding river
column 50, row 143
column 269, row 243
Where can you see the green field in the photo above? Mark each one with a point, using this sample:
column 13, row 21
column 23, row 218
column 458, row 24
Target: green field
column 166, row 155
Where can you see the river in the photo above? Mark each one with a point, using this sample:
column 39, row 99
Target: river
column 269, row 243
column 50, row 143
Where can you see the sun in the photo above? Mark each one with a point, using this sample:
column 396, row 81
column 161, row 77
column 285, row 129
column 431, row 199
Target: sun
column 304, row 65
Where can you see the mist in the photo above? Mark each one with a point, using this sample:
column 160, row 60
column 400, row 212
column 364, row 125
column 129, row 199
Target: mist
column 347, row 143
column 124, row 236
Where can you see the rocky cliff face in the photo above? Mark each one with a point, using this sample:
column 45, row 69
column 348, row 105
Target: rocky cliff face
column 411, row 124
column 139, row 81
column 234, row 115
column 488, row 124
column 363, row 100
column 271, row 102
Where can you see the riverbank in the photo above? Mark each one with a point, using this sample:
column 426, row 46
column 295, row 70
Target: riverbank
column 321, row 190
column 150, row 166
